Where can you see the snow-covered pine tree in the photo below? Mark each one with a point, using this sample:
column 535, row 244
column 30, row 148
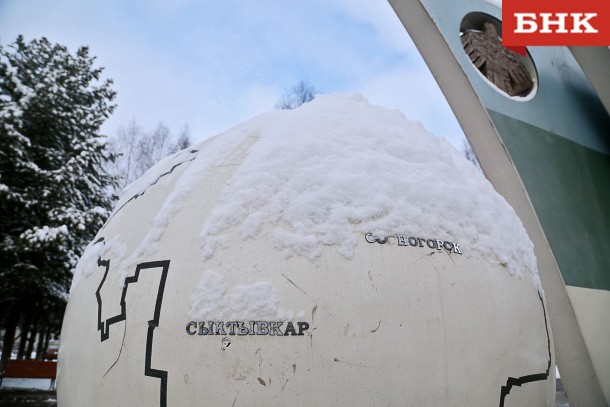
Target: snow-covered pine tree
column 54, row 189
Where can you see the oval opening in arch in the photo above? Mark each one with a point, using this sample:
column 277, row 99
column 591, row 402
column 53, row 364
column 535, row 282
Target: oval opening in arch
column 507, row 72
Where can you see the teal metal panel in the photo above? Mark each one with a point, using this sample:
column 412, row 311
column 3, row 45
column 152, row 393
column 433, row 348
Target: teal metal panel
column 564, row 104
column 559, row 141
column 568, row 185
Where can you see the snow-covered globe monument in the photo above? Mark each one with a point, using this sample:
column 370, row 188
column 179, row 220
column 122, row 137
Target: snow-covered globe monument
column 336, row 254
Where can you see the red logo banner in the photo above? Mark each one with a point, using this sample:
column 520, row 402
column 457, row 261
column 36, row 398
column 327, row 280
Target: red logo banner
column 555, row 22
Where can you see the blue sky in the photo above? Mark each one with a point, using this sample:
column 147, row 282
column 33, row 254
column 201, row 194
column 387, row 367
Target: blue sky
column 213, row 64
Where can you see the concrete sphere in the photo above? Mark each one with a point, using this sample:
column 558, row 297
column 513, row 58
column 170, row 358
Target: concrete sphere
column 409, row 316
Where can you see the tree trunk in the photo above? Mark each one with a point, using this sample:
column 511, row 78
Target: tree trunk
column 2, row 315
column 30, row 349
column 23, row 335
column 45, row 347
column 39, row 344
column 9, row 335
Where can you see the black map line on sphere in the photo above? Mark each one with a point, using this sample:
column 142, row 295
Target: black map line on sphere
column 104, row 326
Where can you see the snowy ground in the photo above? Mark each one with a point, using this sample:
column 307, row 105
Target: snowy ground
column 29, row 398
column 11, row 396
column 38, row 384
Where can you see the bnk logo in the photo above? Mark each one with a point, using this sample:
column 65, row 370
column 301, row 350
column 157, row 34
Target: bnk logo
column 555, row 22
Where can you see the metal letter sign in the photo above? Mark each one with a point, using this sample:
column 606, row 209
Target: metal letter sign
column 547, row 151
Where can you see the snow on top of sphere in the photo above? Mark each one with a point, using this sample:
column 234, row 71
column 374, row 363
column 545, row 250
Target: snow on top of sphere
column 331, row 171
column 339, row 165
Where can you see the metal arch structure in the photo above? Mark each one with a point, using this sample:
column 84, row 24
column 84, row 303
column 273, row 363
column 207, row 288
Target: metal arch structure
column 549, row 156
